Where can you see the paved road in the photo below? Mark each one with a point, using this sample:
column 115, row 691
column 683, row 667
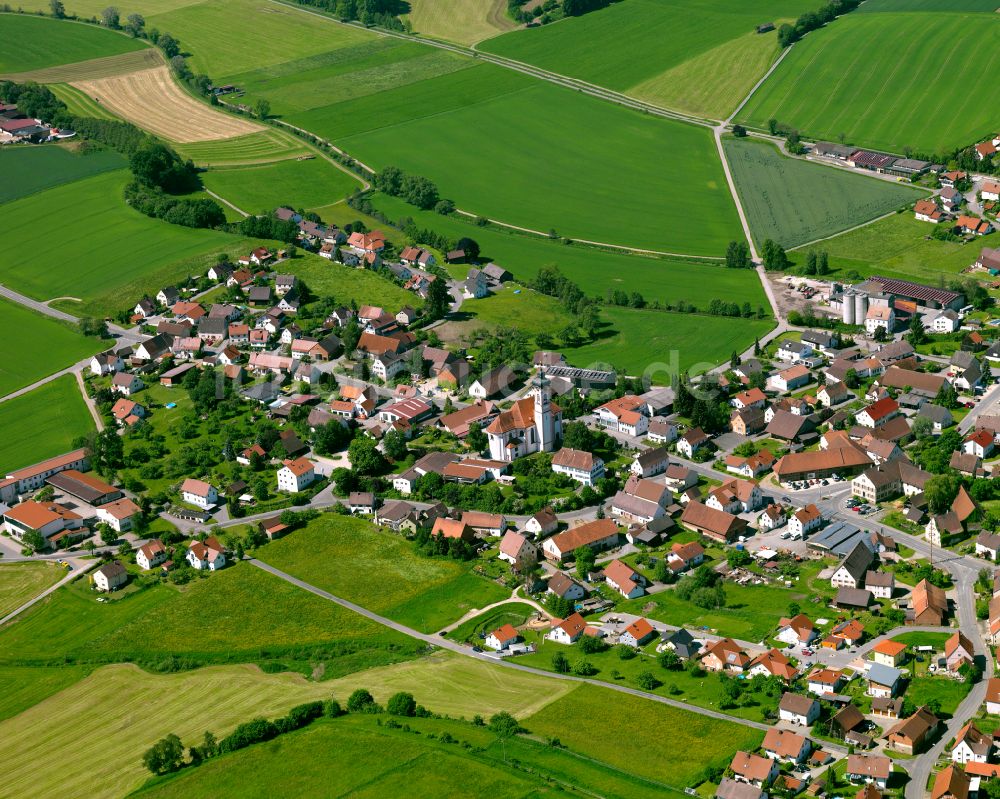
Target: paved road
column 444, row 643
column 88, row 400
column 988, row 405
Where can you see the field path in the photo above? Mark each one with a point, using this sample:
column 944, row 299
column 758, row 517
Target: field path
column 80, row 566
column 89, row 402
column 515, row 598
column 444, row 643
column 224, row 201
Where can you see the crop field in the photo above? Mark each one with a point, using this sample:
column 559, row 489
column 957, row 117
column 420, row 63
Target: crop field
column 137, row 254
column 31, row 43
column 107, row 720
column 422, row 592
column 460, row 21
column 29, row 168
column 264, row 147
column 70, row 626
column 30, row 334
column 217, row 33
column 94, row 69
column 794, row 202
column 78, row 103
column 885, row 84
column 661, row 50
column 897, row 246
column 305, row 184
column 42, row 423
column 639, row 340
column 20, row 582
column 151, row 99
column 665, row 744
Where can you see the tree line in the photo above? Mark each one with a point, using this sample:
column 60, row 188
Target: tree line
column 811, row 20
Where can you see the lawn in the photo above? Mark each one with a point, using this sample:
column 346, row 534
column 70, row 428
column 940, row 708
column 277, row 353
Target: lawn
column 529, row 311
column 658, row 343
column 515, row 614
column 31, row 334
column 945, row 690
column 877, row 80
column 460, row 21
column 291, row 626
column 701, row 57
column 664, row 743
column 29, row 168
column 327, row 279
column 332, row 552
column 794, row 201
column 298, row 184
column 42, row 423
column 898, row 246
column 597, row 272
column 103, row 252
column 28, row 43
column 20, row 582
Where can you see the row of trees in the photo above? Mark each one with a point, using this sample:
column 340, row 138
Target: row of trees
column 811, row 20
column 415, row 189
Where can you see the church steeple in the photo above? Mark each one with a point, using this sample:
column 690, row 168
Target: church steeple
column 544, row 426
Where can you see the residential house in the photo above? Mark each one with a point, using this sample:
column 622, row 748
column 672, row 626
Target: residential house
column 565, row 587
column 747, row 422
column 501, row 638
column 119, row 515
column 151, row 554
column 754, row 769
column 624, row 579
column 796, row 630
column 650, row 462
column 958, row 651
column 662, row 431
column 909, row 735
column 199, row 493
column 951, row 782
column 802, row 711
column 785, row 746
column 724, row 655
column 568, row 630
column 851, row 571
column 883, row 681
column 880, row 317
column 869, row 769
column 692, row 441
column 583, row 467
column 805, row 520
column 207, row 555
column 598, row 534
column 824, row 681
column 542, row 523
column 881, row 584
column 928, row 605
column 792, row 378
column 971, row 746
column 126, row 384
column 295, row 475
column 110, row 577
column 638, row 633
column 712, row 523
column 517, row 550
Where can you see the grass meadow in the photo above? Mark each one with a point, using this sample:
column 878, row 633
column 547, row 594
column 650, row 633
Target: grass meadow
column 879, row 81
column 100, row 247
column 25, row 687
column 700, row 57
column 28, row 169
column 665, row 744
column 29, row 43
column 30, row 334
column 79, row 104
column 460, row 21
column 794, row 202
column 20, row 582
column 381, row 571
column 263, row 147
column 305, row 184
column 42, row 423
column 346, row 284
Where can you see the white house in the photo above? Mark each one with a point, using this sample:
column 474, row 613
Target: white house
column 110, row 576
column 569, row 630
column 209, row 555
column 118, row 515
column 805, row 520
column 583, row 467
column 294, row 475
column 125, row 383
column 517, row 550
column 151, row 554
column 946, row 322
column 971, row 746
column 880, row 316
column 502, row 638
column 797, row 630
column 797, row 709
column 624, row 579
column 199, row 493
column 542, row 523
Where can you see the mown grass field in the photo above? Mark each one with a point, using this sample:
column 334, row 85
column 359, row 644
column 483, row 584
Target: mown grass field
column 460, row 21
column 165, row 621
column 327, row 279
column 267, row 146
column 42, row 423
column 79, row 104
column 879, row 81
column 32, row 335
column 20, row 582
column 299, row 184
column 944, row 6
column 639, row 340
column 28, row 43
column 700, row 57
column 898, row 246
column 25, row 687
column 381, row 571
column 102, row 247
column 794, row 202
column 29, row 168
column 664, row 743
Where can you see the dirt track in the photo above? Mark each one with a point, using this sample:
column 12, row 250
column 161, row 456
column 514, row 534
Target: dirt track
column 152, row 100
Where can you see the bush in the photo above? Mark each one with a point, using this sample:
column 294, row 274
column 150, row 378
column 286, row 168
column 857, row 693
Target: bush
column 402, row 704
column 332, row 709
column 250, row 732
column 361, row 701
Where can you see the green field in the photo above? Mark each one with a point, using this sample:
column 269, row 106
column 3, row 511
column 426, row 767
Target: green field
column 20, row 582
column 425, row 593
column 327, row 279
column 515, row 613
column 28, row 43
column 794, row 202
column 298, row 184
column 99, row 249
column 700, row 57
column 460, row 21
column 263, row 147
column 878, row 80
column 898, row 247
column 638, row 340
column 31, row 334
column 42, row 423
column 664, row 743
column 26, row 687
column 945, row 6
column 29, row 168
column 79, row 103
column 292, row 625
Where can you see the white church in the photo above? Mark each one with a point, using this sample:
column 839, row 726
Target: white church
column 532, row 424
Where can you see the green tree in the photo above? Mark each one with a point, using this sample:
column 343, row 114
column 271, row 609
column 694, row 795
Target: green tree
column 361, row 701
column 402, row 704
column 110, row 17
column 738, row 255
column 585, row 560
column 262, row 109
column 365, row 458
column 438, row 298
column 669, row 660
column 165, row 756
column 57, row 9
column 476, row 438
column 169, row 45
column 647, row 681
column 560, row 663
column 940, row 491
column 134, row 24
column 504, row 726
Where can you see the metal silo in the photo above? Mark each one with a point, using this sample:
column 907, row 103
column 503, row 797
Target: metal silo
column 848, row 309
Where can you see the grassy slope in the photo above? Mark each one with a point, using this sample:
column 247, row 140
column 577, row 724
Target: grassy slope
column 327, row 279
column 633, row 47
column 665, row 744
column 886, row 84
column 28, row 43
column 793, row 201
column 350, row 558
column 300, row 184
column 28, row 169
column 20, row 582
column 39, row 346
column 42, row 423
column 99, row 247
column 461, row 21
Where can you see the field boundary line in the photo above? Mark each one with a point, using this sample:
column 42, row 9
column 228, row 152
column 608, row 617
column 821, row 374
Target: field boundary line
column 758, row 84
column 224, row 201
column 844, row 232
column 70, row 576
